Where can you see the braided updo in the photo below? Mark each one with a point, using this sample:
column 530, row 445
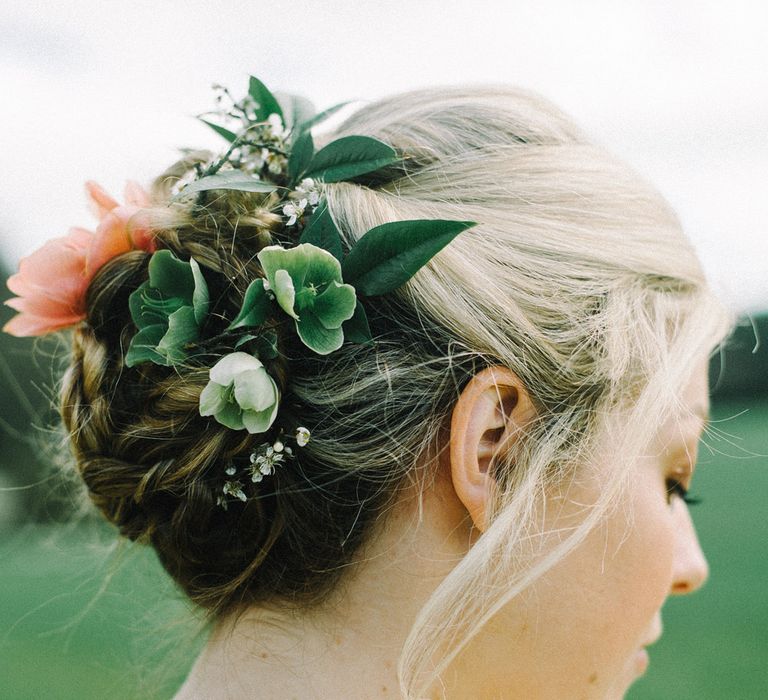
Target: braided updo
column 571, row 279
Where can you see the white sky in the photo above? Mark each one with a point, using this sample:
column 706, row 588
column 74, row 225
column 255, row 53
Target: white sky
column 105, row 91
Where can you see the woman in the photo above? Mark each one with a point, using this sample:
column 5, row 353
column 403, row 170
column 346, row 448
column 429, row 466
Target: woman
column 450, row 460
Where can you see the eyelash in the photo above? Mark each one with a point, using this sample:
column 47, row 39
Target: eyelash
column 674, row 487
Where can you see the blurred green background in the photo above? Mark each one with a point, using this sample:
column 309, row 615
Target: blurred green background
column 85, row 617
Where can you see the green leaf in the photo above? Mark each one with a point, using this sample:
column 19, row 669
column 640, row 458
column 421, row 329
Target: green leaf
column 387, row 256
column 356, row 329
column 285, row 292
column 200, row 296
column 244, row 339
column 296, row 109
column 266, row 345
column 322, row 232
column 294, row 261
column 335, row 305
column 143, row 313
column 322, row 268
column 318, row 118
column 143, row 344
column 231, row 180
column 268, row 103
column 171, row 276
column 348, row 157
column 255, row 307
column 220, row 130
column 182, row 329
column 317, row 337
column 301, row 155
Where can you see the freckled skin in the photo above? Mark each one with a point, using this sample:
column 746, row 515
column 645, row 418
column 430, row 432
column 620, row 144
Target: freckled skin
column 579, row 628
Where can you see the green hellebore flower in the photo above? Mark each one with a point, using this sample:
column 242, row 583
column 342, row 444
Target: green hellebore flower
column 168, row 310
column 307, row 284
column 241, row 394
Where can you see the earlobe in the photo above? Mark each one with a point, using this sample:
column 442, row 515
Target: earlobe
column 486, row 421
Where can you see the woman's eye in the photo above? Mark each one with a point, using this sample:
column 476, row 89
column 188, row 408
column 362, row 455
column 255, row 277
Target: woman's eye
column 676, row 488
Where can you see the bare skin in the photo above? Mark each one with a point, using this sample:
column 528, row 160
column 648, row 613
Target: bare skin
column 577, row 633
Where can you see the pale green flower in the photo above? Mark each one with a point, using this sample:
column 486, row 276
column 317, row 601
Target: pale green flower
column 241, row 394
column 307, row 284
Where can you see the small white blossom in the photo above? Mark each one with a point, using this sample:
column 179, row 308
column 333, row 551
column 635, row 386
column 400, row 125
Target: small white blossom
column 276, row 125
column 263, row 462
column 231, row 470
column 307, row 187
column 234, row 488
column 276, row 163
column 293, row 210
column 222, row 502
column 302, row 436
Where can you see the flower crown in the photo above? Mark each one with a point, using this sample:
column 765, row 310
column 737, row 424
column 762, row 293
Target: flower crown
column 310, row 281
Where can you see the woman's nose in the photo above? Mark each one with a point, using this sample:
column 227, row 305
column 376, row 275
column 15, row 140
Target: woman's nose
column 690, row 569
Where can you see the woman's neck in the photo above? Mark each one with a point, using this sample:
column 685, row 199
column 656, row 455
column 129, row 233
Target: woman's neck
column 349, row 647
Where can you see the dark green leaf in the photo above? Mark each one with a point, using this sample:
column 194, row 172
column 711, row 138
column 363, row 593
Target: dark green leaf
column 143, row 346
column 155, row 305
column 142, row 313
column 255, row 307
column 318, row 118
column 357, row 330
column 387, row 256
column 322, row 232
column 301, row 155
column 220, row 130
column 232, row 180
column 182, row 329
column 348, row 157
column 246, row 338
column 267, row 102
column 266, row 345
column 171, row 276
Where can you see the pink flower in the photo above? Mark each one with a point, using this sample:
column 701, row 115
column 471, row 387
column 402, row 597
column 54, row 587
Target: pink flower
column 52, row 282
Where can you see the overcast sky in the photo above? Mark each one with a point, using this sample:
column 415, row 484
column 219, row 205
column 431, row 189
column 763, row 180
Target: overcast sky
column 106, row 91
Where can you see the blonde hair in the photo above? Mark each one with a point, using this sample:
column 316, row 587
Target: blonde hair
column 578, row 278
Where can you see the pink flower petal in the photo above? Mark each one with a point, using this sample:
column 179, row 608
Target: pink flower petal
column 58, row 259
column 25, row 325
column 111, row 239
column 135, row 195
column 141, row 233
column 43, row 305
column 99, row 201
column 52, row 282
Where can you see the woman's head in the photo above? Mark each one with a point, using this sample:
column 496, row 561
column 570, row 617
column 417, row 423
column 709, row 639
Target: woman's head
column 577, row 288
column 580, row 627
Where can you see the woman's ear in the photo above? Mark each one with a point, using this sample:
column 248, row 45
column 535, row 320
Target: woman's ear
column 487, row 420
